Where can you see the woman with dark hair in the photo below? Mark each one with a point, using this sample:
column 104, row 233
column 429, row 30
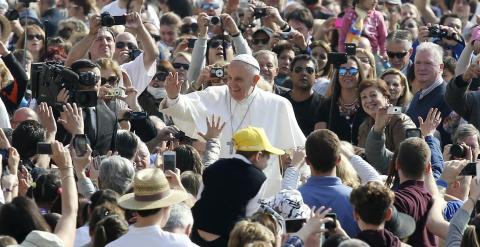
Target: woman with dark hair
column 188, row 159
column 320, row 51
column 109, row 229
column 285, row 54
column 374, row 96
column 346, row 114
column 47, row 193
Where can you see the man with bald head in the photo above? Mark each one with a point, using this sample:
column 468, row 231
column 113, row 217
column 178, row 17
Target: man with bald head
column 101, row 43
column 22, row 114
column 240, row 104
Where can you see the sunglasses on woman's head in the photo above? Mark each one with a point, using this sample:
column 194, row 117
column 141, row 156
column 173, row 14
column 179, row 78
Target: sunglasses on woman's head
column 34, row 36
column 181, row 65
column 129, row 45
column 351, row 71
column 309, row 70
column 112, row 80
column 216, row 43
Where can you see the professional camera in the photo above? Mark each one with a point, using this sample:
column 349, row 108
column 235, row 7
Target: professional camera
column 458, row 151
column 217, row 72
column 108, row 20
column 47, row 79
column 215, row 20
column 436, row 32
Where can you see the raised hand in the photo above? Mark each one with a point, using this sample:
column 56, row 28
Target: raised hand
column 229, row 24
column 4, row 143
column 72, row 119
column 213, row 128
column 172, row 85
column 381, row 119
column 203, row 21
column 452, row 169
column 134, row 21
column 63, row 96
column 47, row 119
column 81, row 162
column 95, row 24
column 13, row 161
column 431, row 123
column 60, row 155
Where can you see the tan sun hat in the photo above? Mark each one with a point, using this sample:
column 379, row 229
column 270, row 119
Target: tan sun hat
column 151, row 191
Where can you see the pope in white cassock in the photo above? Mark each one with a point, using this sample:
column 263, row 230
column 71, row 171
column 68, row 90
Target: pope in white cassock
column 240, row 104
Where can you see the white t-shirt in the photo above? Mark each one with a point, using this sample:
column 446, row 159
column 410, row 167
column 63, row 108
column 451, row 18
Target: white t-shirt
column 4, row 118
column 138, row 74
column 82, row 236
column 114, row 10
column 151, row 236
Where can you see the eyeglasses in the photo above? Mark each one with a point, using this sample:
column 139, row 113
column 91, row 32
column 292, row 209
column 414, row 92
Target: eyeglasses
column 155, row 37
column 112, row 80
column 207, row 6
column 260, row 41
column 161, row 76
column 396, row 54
column 129, row 45
column 189, row 28
column 216, row 43
column 181, row 65
column 34, row 36
column 351, row 71
column 309, row 70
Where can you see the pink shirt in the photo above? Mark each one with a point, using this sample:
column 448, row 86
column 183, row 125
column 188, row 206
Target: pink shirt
column 374, row 29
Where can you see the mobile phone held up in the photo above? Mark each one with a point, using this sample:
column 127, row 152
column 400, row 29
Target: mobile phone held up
column 44, row 148
column 294, row 225
column 169, row 161
column 79, row 143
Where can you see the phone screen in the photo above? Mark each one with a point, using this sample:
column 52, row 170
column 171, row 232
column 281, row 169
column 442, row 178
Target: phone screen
column 469, row 170
column 169, row 161
column 413, row 133
column 294, row 225
column 44, row 148
column 80, row 144
column 331, row 224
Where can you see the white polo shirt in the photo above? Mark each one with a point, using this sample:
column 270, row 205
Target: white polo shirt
column 151, row 236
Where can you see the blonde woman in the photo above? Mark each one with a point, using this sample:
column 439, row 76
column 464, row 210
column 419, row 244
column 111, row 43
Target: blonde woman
column 398, row 87
column 368, row 62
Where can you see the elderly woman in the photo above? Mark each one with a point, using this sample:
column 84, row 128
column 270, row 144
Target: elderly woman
column 398, row 88
column 115, row 173
column 374, row 96
column 35, row 42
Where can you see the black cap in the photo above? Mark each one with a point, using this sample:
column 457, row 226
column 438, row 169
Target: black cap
column 83, row 63
column 401, row 225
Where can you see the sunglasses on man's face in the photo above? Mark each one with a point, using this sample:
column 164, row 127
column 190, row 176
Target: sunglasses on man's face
column 309, row 70
column 161, row 76
column 216, row 43
column 34, row 36
column 111, row 80
column 207, row 6
column 260, row 41
column 129, row 45
column 342, row 71
column 398, row 55
column 181, row 66
column 189, row 28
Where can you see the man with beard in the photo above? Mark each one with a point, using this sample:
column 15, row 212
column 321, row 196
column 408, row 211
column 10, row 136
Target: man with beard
column 304, row 100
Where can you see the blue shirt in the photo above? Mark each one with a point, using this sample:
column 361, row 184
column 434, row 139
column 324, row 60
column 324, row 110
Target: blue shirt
column 331, row 193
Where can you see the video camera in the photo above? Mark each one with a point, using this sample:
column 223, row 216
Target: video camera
column 47, row 79
column 108, row 20
column 437, row 32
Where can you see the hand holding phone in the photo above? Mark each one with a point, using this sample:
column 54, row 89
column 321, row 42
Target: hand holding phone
column 169, row 161
column 44, row 148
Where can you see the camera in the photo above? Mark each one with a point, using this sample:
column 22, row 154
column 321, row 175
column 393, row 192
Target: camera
column 436, row 32
column 134, row 53
column 458, row 151
column 215, row 20
column 115, row 92
column 108, row 20
column 191, row 43
column 47, row 79
column 259, row 12
column 351, row 49
column 180, row 135
column 284, row 35
column 217, row 72
column 134, row 115
column 12, row 14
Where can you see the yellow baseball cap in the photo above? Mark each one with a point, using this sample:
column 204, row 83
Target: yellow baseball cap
column 254, row 139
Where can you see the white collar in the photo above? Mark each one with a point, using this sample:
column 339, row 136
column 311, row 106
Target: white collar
column 241, row 157
column 429, row 89
column 247, row 99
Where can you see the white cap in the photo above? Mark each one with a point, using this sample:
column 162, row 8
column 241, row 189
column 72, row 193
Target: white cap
column 248, row 59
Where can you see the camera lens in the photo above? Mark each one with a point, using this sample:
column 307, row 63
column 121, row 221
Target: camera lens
column 215, row 20
column 457, row 151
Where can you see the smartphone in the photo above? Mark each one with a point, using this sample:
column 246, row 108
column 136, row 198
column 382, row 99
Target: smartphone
column 132, row 54
column 191, row 43
column 80, row 144
column 294, row 225
column 169, row 160
column 350, row 49
column 469, row 170
column 44, row 148
column 414, row 132
column 337, row 58
column 331, row 224
column 394, row 110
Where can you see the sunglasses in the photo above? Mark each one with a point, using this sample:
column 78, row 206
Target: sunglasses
column 410, row 25
column 396, row 54
column 181, row 65
column 216, row 43
column 207, row 6
column 189, row 28
column 155, row 37
column 351, row 71
column 309, row 70
column 260, row 41
column 129, row 45
column 34, row 36
column 161, row 76
column 112, row 80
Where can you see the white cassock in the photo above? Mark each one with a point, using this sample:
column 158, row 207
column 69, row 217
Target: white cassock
column 261, row 109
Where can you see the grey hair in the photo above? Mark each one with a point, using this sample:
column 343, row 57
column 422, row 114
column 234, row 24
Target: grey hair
column 436, row 50
column 400, row 36
column 353, row 243
column 180, row 217
column 116, row 173
column 464, row 131
column 272, row 54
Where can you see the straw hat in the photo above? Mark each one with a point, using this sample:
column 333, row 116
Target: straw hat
column 151, row 191
column 5, row 27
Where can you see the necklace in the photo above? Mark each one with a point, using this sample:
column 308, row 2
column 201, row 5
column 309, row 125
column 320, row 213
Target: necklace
column 230, row 143
column 348, row 110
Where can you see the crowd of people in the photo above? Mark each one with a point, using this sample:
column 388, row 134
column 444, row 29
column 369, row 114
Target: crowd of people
column 239, row 123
